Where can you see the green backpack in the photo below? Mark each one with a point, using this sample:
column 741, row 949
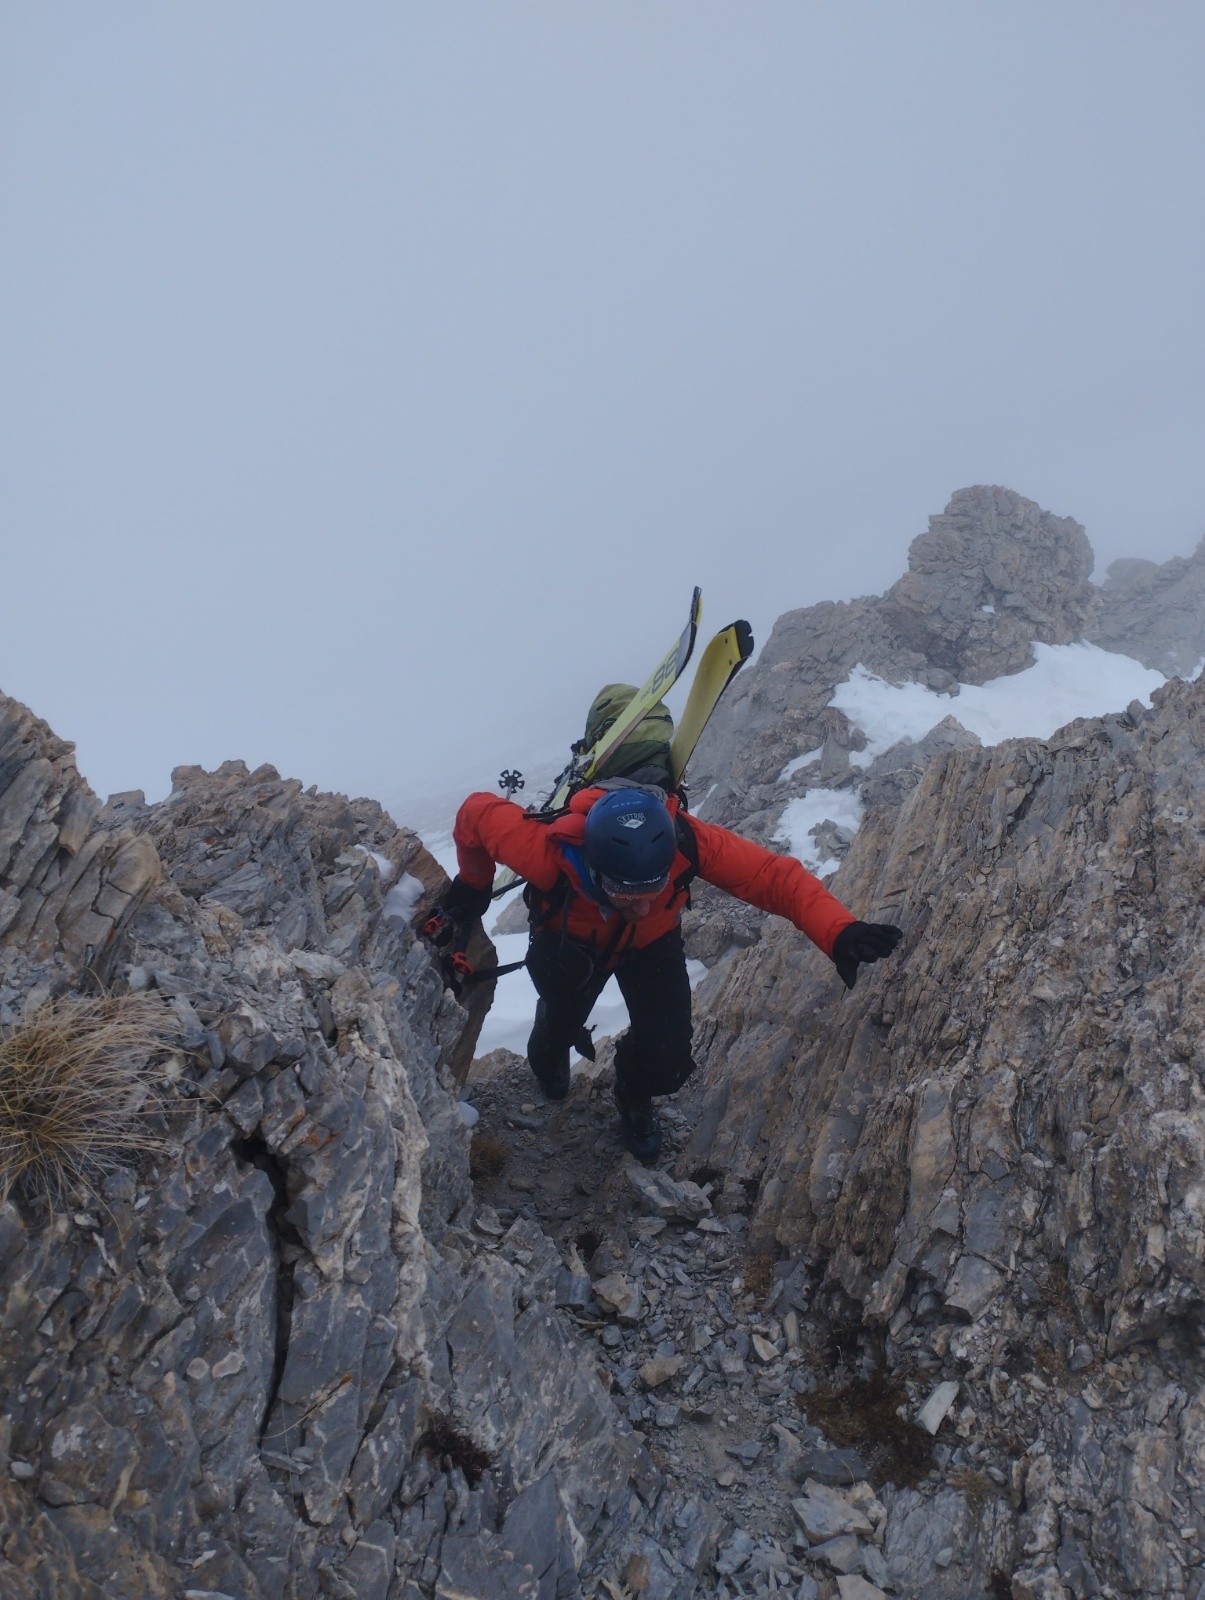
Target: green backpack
column 644, row 756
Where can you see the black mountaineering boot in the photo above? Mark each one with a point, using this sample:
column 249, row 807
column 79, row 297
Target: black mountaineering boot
column 550, row 1065
column 640, row 1128
column 553, row 1076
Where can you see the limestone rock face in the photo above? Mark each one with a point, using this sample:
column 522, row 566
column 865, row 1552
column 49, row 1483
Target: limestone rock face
column 993, row 573
column 313, row 870
column 273, row 1358
column 993, row 1148
column 780, row 705
column 67, row 889
column 1155, row 613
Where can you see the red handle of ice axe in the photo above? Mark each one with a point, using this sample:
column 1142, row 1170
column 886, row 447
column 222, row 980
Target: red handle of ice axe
column 439, row 928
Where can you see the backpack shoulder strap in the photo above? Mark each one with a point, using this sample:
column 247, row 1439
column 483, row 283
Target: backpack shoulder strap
column 688, row 844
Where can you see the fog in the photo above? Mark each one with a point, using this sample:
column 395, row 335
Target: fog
column 378, row 380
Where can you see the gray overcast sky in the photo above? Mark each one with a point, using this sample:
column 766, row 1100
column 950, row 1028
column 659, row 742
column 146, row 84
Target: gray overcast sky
column 377, row 379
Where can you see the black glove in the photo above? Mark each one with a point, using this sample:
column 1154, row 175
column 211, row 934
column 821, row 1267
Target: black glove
column 463, row 903
column 863, row 941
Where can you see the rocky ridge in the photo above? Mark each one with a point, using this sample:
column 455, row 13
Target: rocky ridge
column 271, row 1358
column 991, row 1154
column 914, row 1307
column 920, row 1312
column 1154, row 612
column 992, row 575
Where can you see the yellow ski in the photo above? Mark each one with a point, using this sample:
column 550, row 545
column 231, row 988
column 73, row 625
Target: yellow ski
column 718, row 665
column 586, row 763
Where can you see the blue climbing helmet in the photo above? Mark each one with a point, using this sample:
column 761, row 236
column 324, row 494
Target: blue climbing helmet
column 630, row 842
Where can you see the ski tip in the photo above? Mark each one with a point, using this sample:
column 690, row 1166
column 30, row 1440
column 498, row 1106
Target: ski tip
column 739, row 636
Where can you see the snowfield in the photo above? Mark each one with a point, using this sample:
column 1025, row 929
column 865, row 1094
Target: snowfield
column 1066, row 681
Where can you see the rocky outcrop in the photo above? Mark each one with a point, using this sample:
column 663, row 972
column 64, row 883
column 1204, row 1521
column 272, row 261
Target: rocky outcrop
column 296, row 865
column 1155, row 613
column 67, row 889
column 991, row 1155
column 991, row 575
column 274, row 1357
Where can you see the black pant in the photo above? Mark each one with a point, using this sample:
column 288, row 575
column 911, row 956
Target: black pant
column 653, row 1056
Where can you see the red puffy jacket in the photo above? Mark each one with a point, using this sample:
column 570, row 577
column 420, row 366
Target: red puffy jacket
column 490, row 830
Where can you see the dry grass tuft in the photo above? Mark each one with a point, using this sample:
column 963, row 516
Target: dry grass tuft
column 487, row 1157
column 865, row 1414
column 74, row 1086
column 977, row 1488
column 757, row 1272
column 453, row 1446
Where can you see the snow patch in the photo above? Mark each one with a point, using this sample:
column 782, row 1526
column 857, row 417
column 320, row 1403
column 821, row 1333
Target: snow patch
column 801, row 816
column 792, row 767
column 1066, row 681
column 500, row 906
column 385, row 867
column 403, row 897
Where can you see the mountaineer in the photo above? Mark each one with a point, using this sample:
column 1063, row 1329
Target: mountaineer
column 608, row 879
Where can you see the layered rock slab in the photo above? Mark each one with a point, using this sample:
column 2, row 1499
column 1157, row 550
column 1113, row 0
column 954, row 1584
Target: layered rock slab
column 272, row 1359
column 66, row 887
column 995, row 1146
